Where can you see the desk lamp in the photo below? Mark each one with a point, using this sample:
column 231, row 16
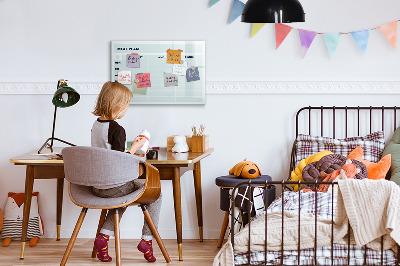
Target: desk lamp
column 272, row 11
column 64, row 96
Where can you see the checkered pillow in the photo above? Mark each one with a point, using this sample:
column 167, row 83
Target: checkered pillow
column 372, row 145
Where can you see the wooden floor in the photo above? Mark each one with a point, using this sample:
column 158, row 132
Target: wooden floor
column 50, row 252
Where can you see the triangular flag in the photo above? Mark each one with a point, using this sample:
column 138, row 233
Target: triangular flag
column 213, row 2
column 332, row 41
column 390, row 32
column 281, row 31
column 237, row 9
column 256, row 28
column 361, row 37
column 306, row 39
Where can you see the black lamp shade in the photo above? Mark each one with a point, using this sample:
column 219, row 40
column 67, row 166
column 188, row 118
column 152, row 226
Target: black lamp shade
column 273, row 11
column 65, row 96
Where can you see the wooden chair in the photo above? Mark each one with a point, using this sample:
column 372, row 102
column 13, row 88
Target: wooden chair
column 85, row 167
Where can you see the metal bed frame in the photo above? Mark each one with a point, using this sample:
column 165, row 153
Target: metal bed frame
column 283, row 184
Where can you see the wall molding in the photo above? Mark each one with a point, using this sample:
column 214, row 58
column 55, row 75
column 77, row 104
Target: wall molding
column 232, row 87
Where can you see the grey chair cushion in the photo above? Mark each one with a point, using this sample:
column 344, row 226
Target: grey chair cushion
column 83, row 196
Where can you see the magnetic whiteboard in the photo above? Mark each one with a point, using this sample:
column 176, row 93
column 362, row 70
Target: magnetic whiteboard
column 140, row 58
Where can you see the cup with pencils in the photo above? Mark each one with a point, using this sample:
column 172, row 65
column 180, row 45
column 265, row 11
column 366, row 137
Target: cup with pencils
column 199, row 140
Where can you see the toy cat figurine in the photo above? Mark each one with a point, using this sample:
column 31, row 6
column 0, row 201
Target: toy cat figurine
column 180, row 144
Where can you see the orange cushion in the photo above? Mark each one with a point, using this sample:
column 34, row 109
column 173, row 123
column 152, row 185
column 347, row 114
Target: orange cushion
column 375, row 170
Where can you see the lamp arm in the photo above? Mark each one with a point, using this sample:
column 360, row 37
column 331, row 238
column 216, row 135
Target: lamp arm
column 54, row 119
column 54, row 126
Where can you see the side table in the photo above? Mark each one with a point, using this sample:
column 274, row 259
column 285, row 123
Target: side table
column 226, row 183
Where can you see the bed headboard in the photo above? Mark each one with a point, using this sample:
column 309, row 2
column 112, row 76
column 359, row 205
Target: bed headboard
column 344, row 121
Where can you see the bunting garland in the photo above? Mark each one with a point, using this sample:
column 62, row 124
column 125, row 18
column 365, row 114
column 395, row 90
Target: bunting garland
column 361, row 37
column 281, row 31
column 237, row 9
column 213, row 2
column 306, row 39
column 332, row 41
column 256, row 27
column 389, row 30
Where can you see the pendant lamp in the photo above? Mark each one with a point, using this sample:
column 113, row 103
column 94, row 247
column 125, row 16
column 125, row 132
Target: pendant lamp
column 64, row 96
column 272, row 11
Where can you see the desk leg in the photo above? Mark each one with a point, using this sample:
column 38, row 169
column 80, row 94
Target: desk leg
column 27, row 206
column 197, row 189
column 60, row 190
column 176, row 182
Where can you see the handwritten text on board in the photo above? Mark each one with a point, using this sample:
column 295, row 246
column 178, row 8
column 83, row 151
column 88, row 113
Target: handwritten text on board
column 179, row 69
column 192, row 75
column 174, row 56
column 170, row 80
column 133, row 60
column 144, row 80
column 125, row 77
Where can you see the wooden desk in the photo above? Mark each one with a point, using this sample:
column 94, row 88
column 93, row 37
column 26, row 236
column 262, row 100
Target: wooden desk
column 171, row 167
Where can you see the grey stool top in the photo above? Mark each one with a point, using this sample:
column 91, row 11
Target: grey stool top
column 230, row 181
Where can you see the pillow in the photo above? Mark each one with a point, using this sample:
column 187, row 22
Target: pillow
column 375, row 170
column 372, row 144
column 296, row 174
column 393, row 148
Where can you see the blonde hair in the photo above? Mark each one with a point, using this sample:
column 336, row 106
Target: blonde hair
column 112, row 99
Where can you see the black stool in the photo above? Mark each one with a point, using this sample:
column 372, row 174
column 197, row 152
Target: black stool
column 226, row 183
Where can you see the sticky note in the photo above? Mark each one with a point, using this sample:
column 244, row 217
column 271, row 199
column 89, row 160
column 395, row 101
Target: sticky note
column 136, row 90
column 125, row 77
column 170, row 80
column 192, row 75
column 133, row 60
column 179, row 69
column 144, row 80
column 174, row 56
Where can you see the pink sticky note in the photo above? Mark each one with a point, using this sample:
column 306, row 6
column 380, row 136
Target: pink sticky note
column 144, row 80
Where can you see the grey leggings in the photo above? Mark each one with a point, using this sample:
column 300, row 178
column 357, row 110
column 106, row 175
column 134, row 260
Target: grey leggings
column 154, row 208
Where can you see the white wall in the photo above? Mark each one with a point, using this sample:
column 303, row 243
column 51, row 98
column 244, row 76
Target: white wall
column 42, row 41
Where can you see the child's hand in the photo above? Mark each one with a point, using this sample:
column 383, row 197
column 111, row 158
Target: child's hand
column 143, row 155
column 137, row 144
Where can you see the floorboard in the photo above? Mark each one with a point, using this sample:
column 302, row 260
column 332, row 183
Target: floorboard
column 49, row 252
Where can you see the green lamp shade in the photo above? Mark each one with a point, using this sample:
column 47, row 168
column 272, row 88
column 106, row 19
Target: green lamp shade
column 65, row 96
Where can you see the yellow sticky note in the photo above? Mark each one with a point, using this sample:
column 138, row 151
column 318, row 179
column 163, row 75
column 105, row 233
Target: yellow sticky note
column 174, row 56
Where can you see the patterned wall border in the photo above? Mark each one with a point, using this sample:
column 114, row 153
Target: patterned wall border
column 234, row 87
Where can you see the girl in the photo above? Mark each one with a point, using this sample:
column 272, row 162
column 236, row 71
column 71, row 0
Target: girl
column 112, row 104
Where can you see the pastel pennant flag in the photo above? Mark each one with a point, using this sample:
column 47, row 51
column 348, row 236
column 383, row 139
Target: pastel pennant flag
column 237, row 9
column 306, row 39
column 213, row 2
column 389, row 30
column 332, row 41
column 256, row 27
column 281, row 31
column 361, row 37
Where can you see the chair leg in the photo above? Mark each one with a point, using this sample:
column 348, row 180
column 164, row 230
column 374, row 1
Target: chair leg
column 154, row 230
column 73, row 237
column 117, row 239
column 101, row 222
column 223, row 229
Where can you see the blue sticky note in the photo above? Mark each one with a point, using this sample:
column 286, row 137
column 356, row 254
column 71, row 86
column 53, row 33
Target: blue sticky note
column 192, row 75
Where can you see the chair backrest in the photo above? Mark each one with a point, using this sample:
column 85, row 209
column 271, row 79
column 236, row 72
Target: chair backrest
column 92, row 166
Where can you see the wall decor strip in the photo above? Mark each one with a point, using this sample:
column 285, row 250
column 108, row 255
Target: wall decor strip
column 232, row 87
